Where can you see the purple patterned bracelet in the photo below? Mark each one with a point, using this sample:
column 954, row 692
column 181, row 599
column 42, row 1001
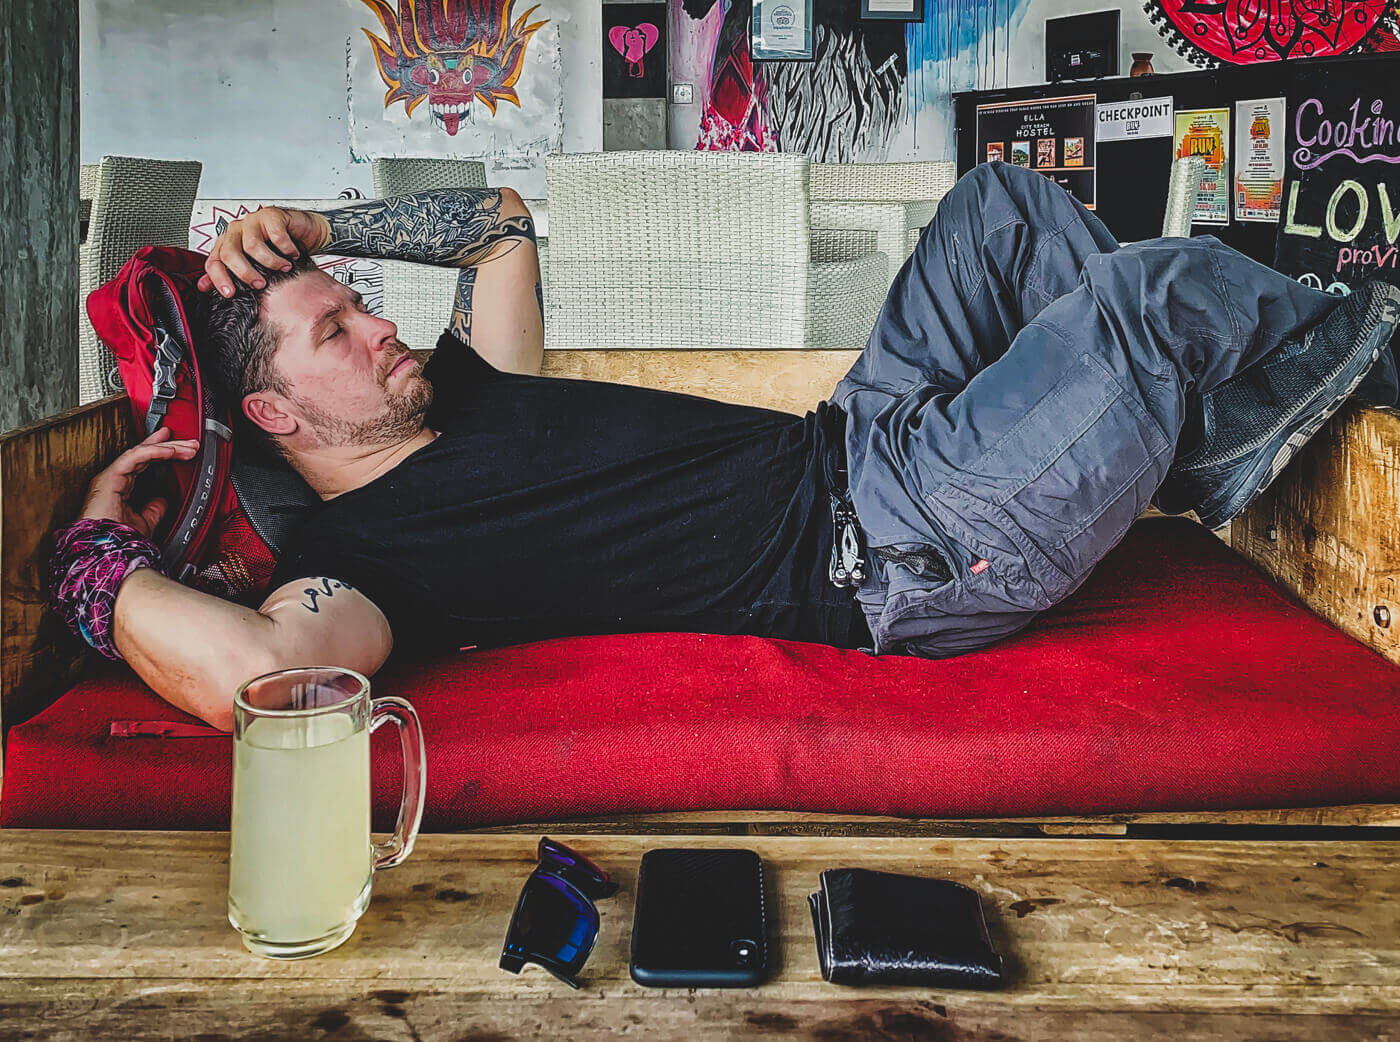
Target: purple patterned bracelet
column 91, row 558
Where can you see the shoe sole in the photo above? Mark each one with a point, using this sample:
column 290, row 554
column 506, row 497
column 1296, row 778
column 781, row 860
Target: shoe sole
column 1262, row 474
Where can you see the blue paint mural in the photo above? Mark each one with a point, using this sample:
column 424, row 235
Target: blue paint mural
column 875, row 89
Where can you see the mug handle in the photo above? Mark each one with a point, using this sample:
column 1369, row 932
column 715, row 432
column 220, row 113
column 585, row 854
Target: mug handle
column 400, row 845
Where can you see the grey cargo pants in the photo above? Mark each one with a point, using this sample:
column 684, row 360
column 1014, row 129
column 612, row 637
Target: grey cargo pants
column 1020, row 399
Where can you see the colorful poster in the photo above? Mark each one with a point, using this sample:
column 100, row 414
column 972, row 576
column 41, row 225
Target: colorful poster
column 634, row 50
column 1259, row 134
column 1341, row 194
column 1206, row 133
column 1135, row 120
column 1052, row 135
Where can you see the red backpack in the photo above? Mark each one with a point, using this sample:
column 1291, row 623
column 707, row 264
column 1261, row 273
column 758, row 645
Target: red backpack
column 229, row 512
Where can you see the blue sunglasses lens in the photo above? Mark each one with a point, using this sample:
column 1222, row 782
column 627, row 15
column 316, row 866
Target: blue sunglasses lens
column 554, row 923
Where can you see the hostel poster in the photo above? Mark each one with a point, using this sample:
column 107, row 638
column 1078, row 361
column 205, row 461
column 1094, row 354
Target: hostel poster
column 1206, row 133
column 1052, row 135
column 1341, row 196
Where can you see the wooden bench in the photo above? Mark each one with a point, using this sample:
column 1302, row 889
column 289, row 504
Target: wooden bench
column 1325, row 532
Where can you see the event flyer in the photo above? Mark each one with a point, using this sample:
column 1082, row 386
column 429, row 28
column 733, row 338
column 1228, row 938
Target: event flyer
column 1259, row 139
column 1206, row 133
column 1052, row 135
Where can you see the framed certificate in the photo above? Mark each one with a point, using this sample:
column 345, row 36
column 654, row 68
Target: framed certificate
column 896, row 10
column 781, row 30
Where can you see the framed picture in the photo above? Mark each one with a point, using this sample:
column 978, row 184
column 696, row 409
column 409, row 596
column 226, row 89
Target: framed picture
column 781, row 30
column 895, row 10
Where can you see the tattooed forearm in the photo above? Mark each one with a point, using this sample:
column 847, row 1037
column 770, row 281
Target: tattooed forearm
column 454, row 227
column 324, row 589
column 462, row 306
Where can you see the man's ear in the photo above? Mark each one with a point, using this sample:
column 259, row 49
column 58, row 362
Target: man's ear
column 267, row 410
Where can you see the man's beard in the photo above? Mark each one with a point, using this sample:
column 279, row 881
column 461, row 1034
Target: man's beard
column 401, row 418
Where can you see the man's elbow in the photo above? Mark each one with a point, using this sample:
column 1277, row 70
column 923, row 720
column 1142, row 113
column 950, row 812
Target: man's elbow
column 214, row 703
column 512, row 205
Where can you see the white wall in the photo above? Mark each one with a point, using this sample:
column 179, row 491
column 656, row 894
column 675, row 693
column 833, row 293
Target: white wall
column 256, row 90
column 1136, row 33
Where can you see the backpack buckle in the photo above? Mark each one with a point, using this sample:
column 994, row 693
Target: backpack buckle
column 163, row 367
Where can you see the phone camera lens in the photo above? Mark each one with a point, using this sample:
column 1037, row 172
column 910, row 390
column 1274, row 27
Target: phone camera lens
column 745, row 952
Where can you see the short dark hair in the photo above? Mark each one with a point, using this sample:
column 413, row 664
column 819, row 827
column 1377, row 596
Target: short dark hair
column 241, row 344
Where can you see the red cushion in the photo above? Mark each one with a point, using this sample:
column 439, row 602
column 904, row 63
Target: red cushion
column 1176, row 678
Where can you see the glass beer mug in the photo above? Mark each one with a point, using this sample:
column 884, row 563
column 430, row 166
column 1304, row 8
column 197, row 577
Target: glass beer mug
column 301, row 860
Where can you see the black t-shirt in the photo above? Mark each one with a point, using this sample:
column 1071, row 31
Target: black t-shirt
column 551, row 507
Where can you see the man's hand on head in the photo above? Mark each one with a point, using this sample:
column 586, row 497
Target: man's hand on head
column 109, row 495
column 270, row 236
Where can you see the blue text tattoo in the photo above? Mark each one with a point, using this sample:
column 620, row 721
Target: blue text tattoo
column 325, row 588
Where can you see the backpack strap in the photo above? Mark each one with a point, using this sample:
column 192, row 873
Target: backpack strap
column 212, row 462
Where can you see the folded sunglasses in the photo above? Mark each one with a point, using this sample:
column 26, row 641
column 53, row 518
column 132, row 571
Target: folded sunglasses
column 555, row 922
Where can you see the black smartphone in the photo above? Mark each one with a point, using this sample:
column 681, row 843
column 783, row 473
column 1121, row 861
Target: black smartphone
column 701, row 919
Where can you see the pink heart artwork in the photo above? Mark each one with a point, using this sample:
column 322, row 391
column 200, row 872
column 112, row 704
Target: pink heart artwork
column 633, row 44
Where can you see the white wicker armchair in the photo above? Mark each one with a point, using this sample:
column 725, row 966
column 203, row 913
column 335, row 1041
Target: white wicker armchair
column 402, row 176
column 894, row 201
column 696, row 250
column 418, row 297
column 134, row 203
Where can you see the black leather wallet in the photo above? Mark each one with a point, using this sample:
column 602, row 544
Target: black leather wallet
column 881, row 928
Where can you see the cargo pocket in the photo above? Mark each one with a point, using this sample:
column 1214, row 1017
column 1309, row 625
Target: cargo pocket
column 1060, row 488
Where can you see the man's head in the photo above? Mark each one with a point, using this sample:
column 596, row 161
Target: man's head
column 311, row 367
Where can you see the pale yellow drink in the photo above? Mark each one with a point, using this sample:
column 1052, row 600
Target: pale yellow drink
column 300, row 859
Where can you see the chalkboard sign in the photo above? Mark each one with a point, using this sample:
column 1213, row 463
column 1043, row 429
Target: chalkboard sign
column 1341, row 199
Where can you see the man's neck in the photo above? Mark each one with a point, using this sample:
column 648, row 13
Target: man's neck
column 334, row 471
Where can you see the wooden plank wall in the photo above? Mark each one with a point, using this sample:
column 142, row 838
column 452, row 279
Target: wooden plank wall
column 44, row 473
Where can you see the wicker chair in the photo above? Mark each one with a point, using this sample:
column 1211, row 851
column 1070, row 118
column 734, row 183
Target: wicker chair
column 697, row 250
column 134, row 203
column 894, row 201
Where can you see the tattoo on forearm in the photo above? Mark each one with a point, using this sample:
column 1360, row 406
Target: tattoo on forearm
column 454, row 227
column 461, row 324
column 539, row 298
column 326, row 589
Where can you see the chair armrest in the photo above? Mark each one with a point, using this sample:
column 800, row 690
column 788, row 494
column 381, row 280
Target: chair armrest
column 1326, row 530
column 44, row 473
column 886, row 220
column 844, row 300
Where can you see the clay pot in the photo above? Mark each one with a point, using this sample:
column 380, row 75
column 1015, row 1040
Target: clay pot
column 1142, row 64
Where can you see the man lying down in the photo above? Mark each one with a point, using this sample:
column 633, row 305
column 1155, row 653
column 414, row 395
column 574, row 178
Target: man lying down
column 1029, row 388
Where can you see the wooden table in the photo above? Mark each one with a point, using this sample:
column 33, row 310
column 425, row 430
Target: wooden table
column 124, row 936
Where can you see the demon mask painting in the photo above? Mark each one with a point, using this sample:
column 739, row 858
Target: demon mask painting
column 454, row 53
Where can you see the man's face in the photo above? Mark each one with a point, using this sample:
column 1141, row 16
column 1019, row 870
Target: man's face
column 349, row 379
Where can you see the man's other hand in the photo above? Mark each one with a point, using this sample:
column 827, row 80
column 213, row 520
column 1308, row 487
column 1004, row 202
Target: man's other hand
column 109, row 495
column 269, row 236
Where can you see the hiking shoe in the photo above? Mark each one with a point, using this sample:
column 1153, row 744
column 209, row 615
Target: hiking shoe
column 1250, row 426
